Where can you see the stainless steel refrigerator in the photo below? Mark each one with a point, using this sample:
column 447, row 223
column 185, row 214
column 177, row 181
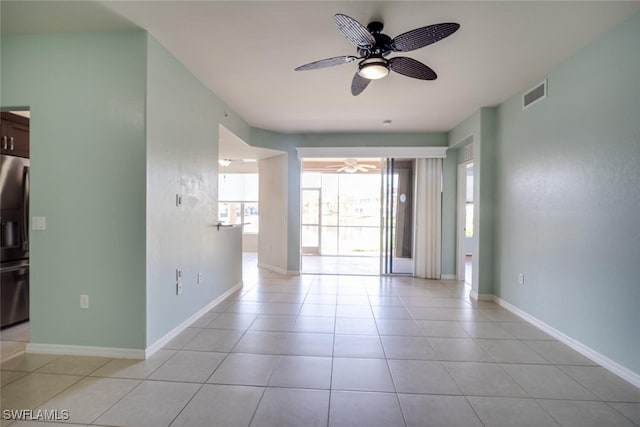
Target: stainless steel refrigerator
column 14, row 236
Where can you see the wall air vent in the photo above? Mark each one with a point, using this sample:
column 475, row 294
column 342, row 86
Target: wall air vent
column 535, row 94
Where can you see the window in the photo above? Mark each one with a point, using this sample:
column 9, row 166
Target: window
column 340, row 213
column 238, row 200
column 468, row 227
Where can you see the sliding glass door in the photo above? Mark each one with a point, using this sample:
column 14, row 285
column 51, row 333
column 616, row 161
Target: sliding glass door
column 341, row 221
column 397, row 216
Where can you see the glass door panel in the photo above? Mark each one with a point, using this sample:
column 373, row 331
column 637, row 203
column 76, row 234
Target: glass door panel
column 311, row 206
column 397, row 217
column 310, row 237
column 310, row 221
column 330, row 199
column 329, row 241
column 341, row 220
column 359, row 241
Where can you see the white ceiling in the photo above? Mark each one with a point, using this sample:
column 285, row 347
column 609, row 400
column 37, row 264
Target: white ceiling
column 246, row 52
column 232, row 147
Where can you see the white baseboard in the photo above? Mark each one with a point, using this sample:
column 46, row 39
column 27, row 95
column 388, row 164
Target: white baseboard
column 614, row 367
column 480, row 297
column 273, row 268
column 82, row 350
column 184, row 325
column 126, row 353
column 448, row 277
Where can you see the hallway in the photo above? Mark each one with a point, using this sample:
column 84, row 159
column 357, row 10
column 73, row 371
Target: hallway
column 318, row 350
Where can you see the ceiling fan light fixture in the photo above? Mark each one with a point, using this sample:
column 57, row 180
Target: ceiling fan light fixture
column 350, row 169
column 373, row 68
column 224, row 162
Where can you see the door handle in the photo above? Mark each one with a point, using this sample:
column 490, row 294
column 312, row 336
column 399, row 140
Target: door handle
column 4, row 142
column 11, row 143
column 25, row 208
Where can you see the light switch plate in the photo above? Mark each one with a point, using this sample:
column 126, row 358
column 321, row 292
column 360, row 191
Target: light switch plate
column 39, row 223
column 84, row 301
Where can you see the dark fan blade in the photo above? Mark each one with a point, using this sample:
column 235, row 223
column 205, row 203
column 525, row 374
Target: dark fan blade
column 358, row 84
column 412, row 68
column 354, row 31
column 329, row 62
column 423, row 36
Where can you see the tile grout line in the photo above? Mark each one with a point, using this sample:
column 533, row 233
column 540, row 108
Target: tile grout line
column 387, row 359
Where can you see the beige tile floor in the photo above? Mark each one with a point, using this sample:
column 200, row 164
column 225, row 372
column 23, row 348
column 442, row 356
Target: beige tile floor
column 352, row 265
column 335, row 351
column 13, row 340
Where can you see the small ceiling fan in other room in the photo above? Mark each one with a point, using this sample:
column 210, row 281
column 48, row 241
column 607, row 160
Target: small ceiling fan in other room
column 351, row 166
column 372, row 48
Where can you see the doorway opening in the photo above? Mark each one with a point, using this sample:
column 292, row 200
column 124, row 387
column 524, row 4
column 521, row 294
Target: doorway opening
column 357, row 216
column 465, row 222
column 14, row 233
column 239, row 189
column 341, row 216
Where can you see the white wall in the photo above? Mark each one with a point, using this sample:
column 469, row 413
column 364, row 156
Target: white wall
column 272, row 245
column 250, row 242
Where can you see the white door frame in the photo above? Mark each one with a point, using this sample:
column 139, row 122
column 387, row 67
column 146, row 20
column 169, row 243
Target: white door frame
column 461, row 215
column 312, row 250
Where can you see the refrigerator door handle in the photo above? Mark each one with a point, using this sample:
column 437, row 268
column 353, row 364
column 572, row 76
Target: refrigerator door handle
column 20, row 269
column 25, row 208
column 11, row 146
column 4, row 142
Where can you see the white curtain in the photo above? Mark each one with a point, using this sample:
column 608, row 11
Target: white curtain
column 428, row 242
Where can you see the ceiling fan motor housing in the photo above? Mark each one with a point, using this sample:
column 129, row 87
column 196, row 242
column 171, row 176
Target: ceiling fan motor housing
column 384, row 43
column 375, row 26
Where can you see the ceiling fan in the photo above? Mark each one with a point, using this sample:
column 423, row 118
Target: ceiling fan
column 373, row 46
column 352, row 166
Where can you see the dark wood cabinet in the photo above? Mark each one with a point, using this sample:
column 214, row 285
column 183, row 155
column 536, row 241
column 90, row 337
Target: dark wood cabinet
column 14, row 138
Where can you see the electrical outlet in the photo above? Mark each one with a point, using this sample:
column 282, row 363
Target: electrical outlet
column 39, row 223
column 199, row 280
column 178, row 281
column 84, row 301
column 521, row 279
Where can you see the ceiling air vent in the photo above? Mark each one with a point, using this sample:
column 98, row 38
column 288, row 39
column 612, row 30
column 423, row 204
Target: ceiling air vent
column 535, row 94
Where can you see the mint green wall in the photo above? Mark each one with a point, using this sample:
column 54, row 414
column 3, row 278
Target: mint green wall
column 484, row 204
column 479, row 129
column 373, row 140
column 466, row 132
column 568, row 197
column 118, row 128
column 86, row 95
column 182, row 158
